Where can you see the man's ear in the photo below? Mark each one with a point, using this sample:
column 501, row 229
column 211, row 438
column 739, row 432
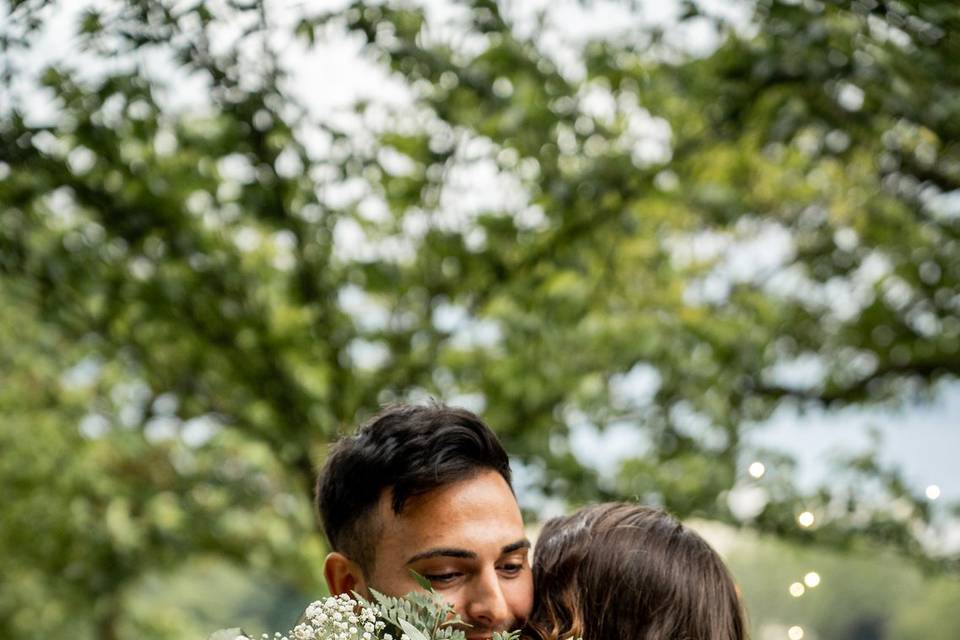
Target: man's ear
column 343, row 575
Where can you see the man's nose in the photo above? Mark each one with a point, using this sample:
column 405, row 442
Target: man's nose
column 487, row 607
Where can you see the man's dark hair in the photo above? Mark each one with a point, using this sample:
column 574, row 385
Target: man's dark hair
column 410, row 450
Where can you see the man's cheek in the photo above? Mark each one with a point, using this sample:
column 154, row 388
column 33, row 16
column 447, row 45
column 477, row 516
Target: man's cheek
column 524, row 597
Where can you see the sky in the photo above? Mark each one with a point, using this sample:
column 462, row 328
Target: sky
column 922, row 439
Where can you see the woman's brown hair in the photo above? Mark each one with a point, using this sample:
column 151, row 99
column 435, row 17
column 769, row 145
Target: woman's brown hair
column 620, row 571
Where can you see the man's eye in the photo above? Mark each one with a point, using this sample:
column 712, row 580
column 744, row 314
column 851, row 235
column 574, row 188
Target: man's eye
column 511, row 569
column 442, row 578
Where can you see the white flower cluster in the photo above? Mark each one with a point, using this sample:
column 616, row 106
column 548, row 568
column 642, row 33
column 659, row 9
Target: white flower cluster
column 340, row 618
column 336, row 618
column 419, row 615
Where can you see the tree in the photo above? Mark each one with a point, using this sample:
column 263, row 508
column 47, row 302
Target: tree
column 267, row 275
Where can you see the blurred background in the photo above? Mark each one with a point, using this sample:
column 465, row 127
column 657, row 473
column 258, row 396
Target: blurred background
column 702, row 254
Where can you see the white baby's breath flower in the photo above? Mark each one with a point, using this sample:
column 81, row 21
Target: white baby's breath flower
column 314, row 609
column 303, row 632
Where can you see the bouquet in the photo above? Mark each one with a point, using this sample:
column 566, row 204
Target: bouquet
column 416, row 616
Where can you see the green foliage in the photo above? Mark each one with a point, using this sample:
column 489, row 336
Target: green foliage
column 425, row 615
column 181, row 285
column 421, row 616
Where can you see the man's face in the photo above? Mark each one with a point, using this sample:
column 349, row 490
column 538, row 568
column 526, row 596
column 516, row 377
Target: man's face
column 467, row 539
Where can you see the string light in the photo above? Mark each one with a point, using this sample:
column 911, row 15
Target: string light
column 812, row 579
column 757, row 469
column 796, row 589
column 806, row 519
column 795, row 633
column 933, row 492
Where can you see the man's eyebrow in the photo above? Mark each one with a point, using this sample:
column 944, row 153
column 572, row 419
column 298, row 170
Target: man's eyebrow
column 451, row 552
column 446, row 552
column 515, row 546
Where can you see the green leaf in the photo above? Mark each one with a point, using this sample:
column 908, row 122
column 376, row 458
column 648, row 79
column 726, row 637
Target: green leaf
column 423, row 582
column 412, row 631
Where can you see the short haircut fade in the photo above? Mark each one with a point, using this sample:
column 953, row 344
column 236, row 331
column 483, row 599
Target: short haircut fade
column 408, row 449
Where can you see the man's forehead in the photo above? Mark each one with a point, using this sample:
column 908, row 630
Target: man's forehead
column 484, row 490
column 480, row 512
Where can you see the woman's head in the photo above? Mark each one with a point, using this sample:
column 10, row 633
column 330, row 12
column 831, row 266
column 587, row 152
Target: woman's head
column 620, row 571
